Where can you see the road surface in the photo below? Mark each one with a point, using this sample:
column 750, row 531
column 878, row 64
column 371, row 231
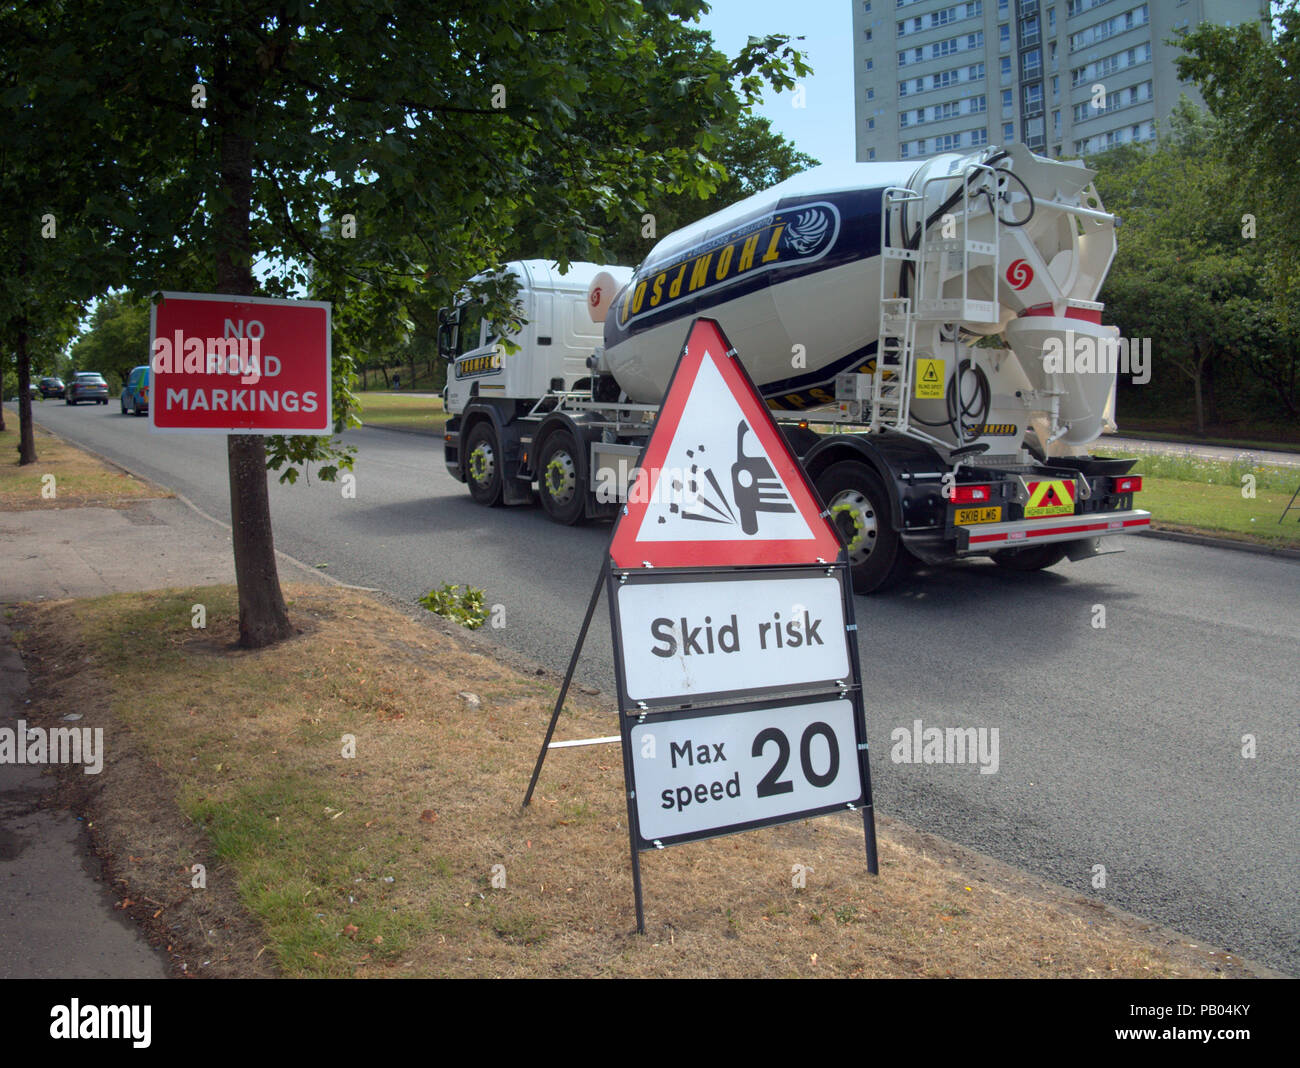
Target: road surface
column 1120, row 747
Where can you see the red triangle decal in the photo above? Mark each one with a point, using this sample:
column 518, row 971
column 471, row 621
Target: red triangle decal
column 718, row 486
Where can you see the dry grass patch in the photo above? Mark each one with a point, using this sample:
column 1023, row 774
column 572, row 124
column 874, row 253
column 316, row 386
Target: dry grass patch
column 79, row 479
column 382, row 864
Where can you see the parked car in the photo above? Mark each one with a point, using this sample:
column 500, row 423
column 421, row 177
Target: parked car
column 135, row 394
column 86, row 386
column 52, row 387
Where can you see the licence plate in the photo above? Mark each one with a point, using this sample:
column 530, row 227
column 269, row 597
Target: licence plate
column 968, row 516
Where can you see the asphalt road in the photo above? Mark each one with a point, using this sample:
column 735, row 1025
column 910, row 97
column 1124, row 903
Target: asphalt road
column 1119, row 746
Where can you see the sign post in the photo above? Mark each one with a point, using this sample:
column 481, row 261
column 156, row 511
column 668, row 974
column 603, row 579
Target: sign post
column 731, row 608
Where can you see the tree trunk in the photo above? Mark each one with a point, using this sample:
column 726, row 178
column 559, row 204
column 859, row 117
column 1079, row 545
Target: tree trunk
column 1200, row 401
column 26, row 434
column 263, row 615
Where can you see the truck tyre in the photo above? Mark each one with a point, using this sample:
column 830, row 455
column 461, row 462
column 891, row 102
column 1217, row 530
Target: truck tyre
column 559, row 479
column 1031, row 558
column 859, row 506
column 483, row 464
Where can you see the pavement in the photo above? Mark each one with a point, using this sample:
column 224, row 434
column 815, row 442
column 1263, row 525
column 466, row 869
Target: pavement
column 56, row 911
column 1191, row 450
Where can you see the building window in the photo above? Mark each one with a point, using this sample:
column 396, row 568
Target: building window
column 1004, row 67
column 979, row 137
column 1031, row 64
column 1006, row 99
column 866, row 6
column 871, row 124
column 870, row 64
column 1102, row 31
column 1056, row 123
column 871, row 153
column 1008, row 131
column 868, row 34
column 871, row 94
column 1056, row 87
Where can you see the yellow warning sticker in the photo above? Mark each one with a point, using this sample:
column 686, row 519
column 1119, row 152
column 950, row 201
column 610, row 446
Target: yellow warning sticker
column 929, row 379
column 1051, row 497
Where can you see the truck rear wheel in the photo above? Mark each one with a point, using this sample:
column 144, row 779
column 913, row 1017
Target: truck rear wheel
column 1032, row 558
column 483, row 464
column 559, row 481
column 859, row 507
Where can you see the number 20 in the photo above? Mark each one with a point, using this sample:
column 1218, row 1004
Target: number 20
column 769, row 784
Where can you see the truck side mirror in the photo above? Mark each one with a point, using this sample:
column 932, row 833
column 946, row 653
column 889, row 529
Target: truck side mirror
column 448, row 324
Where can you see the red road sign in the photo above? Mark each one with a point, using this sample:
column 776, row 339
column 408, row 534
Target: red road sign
column 718, row 485
column 246, row 365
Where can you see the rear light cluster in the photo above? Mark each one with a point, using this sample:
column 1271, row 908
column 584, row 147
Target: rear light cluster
column 972, row 494
column 1128, row 484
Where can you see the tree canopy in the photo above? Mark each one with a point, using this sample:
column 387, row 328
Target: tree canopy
column 397, row 145
column 1189, row 273
column 1250, row 85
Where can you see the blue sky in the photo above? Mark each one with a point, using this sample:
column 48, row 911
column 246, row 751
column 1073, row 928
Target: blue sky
column 824, row 127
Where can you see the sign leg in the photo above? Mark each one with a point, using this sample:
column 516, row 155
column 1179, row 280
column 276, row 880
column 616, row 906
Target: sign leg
column 568, row 678
column 869, row 826
column 636, row 890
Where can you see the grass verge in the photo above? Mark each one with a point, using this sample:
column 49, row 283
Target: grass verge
column 63, row 477
column 1211, row 497
column 404, row 412
column 387, row 862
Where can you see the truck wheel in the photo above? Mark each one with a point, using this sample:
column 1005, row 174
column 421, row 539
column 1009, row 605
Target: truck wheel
column 559, row 482
column 1032, row 558
column 859, row 506
column 483, row 464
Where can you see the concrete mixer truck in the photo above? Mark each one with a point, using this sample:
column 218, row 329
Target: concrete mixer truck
column 926, row 335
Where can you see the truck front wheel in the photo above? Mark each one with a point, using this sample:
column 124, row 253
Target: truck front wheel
column 559, row 482
column 859, row 508
column 483, row 464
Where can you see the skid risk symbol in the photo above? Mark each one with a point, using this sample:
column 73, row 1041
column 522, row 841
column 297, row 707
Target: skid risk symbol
column 717, row 483
column 755, row 488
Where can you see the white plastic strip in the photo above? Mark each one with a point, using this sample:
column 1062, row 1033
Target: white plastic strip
column 584, row 741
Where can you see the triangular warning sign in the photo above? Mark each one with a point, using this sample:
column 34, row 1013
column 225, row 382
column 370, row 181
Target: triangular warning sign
column 718, row 485
column 930, row 375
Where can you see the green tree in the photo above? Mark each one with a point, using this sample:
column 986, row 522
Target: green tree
column 1249, row 84
column 1183, row 274
column 115, row 340
column 49, row 256
column 752, row 157
column 243, row 130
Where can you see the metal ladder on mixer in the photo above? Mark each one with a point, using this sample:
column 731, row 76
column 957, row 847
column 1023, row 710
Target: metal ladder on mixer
column 935, row 258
